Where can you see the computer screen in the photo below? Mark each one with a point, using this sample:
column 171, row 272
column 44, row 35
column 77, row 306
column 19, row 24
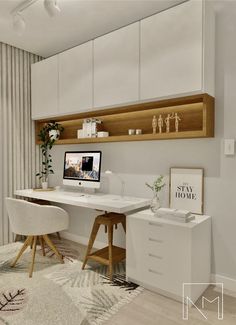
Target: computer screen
column 82, row 168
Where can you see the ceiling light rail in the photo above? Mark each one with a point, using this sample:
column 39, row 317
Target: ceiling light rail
column 19, row 24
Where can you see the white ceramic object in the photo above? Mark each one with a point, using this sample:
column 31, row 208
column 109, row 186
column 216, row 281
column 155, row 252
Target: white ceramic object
column 44, row 185
column 80, row 134
column 138, row 131
column 54, row 134
column 103, row 134
column 131, row 131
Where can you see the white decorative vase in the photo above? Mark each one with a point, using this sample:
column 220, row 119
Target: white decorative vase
column 45, row 185
column 54, row 134
column 155, row 203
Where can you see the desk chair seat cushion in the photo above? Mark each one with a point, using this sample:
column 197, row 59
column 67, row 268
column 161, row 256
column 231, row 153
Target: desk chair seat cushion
column 31, row 219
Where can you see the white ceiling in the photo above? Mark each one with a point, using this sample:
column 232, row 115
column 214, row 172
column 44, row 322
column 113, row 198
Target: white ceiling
column 78, row 22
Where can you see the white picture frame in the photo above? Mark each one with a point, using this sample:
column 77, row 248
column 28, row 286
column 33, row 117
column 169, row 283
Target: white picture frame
column 186, row 189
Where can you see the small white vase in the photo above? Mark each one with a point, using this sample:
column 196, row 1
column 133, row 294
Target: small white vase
column 54, row 134
column 155, row 203
column 44, row 185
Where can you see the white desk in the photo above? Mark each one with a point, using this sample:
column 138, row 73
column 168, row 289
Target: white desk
column 99, row 201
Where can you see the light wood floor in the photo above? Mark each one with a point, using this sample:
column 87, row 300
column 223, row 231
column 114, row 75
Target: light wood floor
column 149, row 308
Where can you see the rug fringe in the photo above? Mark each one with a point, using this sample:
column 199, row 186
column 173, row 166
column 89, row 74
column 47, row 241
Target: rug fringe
column 116, row 308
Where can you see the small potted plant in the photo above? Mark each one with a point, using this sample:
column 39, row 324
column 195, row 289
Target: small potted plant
column 54, row 130
column 156, row 188
column 48, row 135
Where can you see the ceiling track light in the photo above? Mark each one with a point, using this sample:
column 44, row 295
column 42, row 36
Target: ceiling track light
column 51, row 6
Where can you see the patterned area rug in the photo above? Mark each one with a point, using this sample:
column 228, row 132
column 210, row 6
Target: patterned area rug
column 59, row 294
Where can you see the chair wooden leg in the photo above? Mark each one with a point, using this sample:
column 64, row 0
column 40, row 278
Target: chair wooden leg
column 53, row 248
column 33, row 256
column 58, row 235
column 110, row 242
column 91, row 242
column 42, row 244
column 23, row 248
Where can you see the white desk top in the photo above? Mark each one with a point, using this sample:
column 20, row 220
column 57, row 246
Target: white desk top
column 99, row 201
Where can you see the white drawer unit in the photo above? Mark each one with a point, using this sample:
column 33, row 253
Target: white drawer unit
column 163, row 254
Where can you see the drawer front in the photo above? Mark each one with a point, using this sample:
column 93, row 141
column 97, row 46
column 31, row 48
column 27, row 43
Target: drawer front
column 157, row 230
column 164, row 282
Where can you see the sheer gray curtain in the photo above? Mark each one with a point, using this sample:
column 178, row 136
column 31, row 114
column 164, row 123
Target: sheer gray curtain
column 18, row 153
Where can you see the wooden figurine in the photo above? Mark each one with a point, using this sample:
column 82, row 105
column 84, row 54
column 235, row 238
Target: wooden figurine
column 177, row 119
column 154, row 124
column 167, row 122
column 160, row 123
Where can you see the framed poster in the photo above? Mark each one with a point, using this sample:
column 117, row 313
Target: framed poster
column 186, row 189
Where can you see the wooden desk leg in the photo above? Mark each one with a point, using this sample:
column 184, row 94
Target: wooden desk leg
column 17, row 237
column 91, row 242
column 124, row 225
column 110, row 242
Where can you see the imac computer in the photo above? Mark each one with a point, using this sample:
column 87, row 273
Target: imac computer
column 82, row 168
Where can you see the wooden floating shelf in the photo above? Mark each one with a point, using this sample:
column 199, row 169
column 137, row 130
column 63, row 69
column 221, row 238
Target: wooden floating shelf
column 196, row 113
column 141, row 137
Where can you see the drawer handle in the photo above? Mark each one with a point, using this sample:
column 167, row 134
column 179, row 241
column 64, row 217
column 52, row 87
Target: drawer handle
column 156, row 240
column 156, row 224
column 155, row 256
column 154, row 271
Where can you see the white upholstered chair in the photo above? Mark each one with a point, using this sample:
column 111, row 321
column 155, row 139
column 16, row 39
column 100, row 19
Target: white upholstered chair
column 36, row 222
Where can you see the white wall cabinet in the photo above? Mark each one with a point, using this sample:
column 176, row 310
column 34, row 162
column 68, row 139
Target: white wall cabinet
column 76, row 79
column 44, row 82
column 177, row 51
column 167, row 55
column 162, row 254
column 116, row 67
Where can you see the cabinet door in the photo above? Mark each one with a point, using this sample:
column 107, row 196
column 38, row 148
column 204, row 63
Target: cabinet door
column 171, row 51
column 116, row 67
column 75, row 79
column 44, row 85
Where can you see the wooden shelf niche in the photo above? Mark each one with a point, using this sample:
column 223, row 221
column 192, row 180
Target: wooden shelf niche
column 196, row 113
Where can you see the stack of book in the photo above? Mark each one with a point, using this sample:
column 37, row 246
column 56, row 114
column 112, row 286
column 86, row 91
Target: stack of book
column 175, row 214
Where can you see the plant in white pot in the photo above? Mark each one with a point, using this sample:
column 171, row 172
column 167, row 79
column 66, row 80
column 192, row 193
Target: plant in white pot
column 54, row 130
column 156, row 188
column 48, row 135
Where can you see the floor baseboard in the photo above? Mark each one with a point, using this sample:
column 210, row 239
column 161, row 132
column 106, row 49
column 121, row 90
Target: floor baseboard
column 229, row 283
column 81, row 240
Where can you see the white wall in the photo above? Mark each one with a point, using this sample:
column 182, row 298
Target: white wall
column 143, row 161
